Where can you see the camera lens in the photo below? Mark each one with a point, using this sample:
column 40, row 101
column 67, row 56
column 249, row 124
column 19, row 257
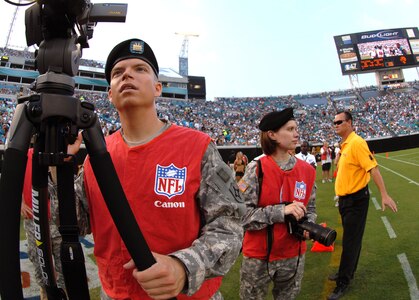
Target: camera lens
column 323, row 235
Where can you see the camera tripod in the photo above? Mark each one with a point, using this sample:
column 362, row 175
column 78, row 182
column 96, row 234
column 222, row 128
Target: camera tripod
column 54, row 116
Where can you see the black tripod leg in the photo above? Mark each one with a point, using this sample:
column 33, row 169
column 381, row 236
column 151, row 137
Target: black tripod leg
column 11, row 186
column 40, row 204
column 72, row 257
column 115, row 198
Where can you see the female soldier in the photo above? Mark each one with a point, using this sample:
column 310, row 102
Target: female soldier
column 275, row 186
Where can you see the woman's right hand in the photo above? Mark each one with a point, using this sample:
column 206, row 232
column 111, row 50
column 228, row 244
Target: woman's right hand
column 297, row 209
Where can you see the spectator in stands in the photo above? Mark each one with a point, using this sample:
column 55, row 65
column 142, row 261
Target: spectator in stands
column 305, row 155
column 379, row 114
column 276, row 186
column 197, row 242
column 356, row 166
column 112, row 129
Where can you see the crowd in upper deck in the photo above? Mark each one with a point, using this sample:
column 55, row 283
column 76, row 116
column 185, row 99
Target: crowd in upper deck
column 233, row 121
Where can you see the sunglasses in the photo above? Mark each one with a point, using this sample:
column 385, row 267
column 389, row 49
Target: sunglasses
column 338, row 122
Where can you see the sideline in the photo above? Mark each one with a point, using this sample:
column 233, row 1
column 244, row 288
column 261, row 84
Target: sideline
column 410, row 278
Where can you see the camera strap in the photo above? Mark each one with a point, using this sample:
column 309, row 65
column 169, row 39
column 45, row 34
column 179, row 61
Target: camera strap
column 269, row 228
column 72, row 257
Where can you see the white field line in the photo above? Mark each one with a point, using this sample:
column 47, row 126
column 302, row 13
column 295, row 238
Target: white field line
column 402, row 161
column 410, row 278
column 402, row 176
column 390, row 230
column 377, row 206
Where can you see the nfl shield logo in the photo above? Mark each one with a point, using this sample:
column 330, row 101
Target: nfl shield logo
column 300, row 190
column 170, row 180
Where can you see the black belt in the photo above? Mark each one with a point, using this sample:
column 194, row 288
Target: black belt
column 361, row 191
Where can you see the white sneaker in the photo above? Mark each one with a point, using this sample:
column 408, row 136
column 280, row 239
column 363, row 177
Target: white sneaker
column 323, row 181
column 337, row 204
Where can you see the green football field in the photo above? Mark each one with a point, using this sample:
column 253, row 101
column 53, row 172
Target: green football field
column 389, row 263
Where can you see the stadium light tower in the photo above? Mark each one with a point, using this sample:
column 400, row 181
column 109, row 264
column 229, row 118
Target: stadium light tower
column 183, row 55
column 353, row 79
column 12, row 24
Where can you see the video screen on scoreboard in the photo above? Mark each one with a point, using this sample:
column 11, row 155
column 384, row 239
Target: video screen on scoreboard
column 375, row 50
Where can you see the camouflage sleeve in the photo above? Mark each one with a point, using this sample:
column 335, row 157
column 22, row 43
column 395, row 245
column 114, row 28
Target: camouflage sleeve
column 257, row 218
column 216, row 249
column 82, row 211
column 82, row 206
column 311, row 205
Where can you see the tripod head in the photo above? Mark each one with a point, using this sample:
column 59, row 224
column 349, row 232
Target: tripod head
column 51, row 24
column 61, row 29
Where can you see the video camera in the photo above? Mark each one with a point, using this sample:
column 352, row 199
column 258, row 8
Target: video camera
column 323, row 235
column 51, row 25
column 48, row 19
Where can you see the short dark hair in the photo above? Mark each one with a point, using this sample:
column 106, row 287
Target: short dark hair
column 305, row 142
column 348, row 115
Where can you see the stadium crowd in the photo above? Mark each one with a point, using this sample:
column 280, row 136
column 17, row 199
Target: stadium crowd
column 233, row 121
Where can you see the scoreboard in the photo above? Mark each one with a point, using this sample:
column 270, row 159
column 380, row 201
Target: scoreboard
column 372, row 51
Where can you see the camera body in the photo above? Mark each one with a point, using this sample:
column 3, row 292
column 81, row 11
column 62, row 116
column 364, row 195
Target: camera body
column 323, row 235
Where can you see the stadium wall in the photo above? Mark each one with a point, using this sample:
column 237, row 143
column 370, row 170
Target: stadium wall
column 376, row 146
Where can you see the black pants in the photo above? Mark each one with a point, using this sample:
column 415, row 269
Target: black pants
column 353, row 209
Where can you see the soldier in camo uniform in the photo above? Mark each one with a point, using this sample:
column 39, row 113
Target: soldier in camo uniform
column 183, row 195
column 276, row 187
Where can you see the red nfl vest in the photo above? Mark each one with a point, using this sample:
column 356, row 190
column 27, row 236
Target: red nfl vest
column 160, row 180
column 280, row 186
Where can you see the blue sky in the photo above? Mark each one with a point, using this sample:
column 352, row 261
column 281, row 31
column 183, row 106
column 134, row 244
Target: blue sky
column 246, row 48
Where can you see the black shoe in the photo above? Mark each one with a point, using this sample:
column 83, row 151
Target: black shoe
column 338, row 292
column 333, row 277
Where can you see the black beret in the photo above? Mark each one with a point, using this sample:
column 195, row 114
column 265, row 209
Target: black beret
column 133, row 48
column 276, row 119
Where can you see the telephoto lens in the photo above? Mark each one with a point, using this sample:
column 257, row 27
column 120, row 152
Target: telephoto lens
column 323, row 235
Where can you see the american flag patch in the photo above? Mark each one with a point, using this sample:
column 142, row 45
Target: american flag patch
column 242, row 185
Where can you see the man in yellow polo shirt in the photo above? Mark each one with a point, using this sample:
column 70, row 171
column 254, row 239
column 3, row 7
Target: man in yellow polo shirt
column 355, row 168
